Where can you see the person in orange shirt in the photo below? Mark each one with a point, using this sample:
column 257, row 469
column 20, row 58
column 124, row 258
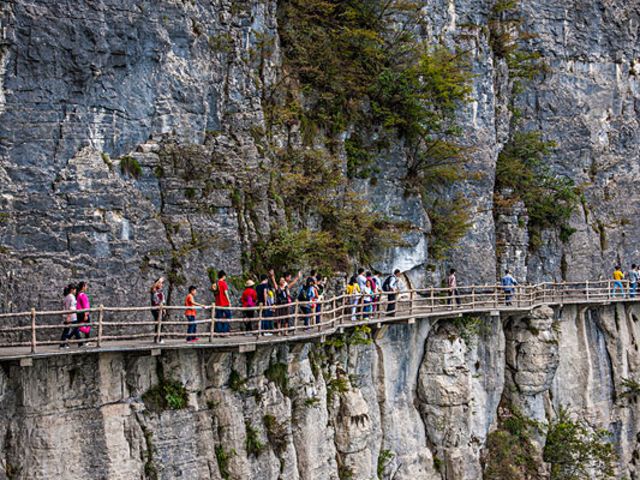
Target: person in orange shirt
column 190, row 313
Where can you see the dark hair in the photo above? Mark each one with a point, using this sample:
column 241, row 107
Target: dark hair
column 506, row 272
column 81, row 285
column 264, row 277
column 396, row 271
column 352, row 280
column 287, row 274
column 313, row 273
column 310, row 281
column 68, row 288
column 633, row 265
column 452, row 271
column 617, row 267
column 192, row 288
column 368, row 274
column 360, row 270
column 221, row 274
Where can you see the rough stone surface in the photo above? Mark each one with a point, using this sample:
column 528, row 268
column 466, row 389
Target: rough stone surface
column 418, row 402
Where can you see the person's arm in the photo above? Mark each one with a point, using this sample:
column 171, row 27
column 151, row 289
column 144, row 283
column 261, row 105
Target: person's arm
column 226, row 292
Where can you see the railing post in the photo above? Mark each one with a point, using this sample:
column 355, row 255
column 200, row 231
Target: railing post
column 100, row 319
column 212, row 328
column 33, row 330
column 335, row 312
column 587, row 290
column 411, row 300
column 432, row 299
column 473, row 298
column 260, row 313
column 495, row 296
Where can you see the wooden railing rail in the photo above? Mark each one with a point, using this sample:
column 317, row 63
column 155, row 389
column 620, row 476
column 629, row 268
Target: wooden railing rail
column 297, row 319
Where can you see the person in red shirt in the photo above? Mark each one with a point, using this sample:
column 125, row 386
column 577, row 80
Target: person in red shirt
column 223, row 302
column 190, row 313
column 249, row 299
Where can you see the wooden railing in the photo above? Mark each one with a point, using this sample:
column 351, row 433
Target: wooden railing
column 33, row 332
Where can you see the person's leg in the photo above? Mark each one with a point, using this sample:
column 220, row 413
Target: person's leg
column 227, row 324
column 318, row 310
column 632, row 290
column 65, row 336
column 191, row 329
column 391, row 308
column 457, row 295
column 217, row 328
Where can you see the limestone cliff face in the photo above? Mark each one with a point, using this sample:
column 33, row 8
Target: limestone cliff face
column 418, row 402
column 84, row 84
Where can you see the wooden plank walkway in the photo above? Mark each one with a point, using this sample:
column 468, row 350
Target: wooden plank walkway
column 32, row 334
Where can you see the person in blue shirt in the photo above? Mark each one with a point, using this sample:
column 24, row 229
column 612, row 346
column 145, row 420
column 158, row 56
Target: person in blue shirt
column 508, row 284
column 633, row 280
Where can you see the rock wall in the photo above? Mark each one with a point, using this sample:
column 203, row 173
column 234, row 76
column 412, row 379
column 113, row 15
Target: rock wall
column 83, row 85
column 417, row 402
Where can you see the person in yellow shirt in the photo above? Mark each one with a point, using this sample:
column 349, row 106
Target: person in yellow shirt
column 618, row 276
column 353, row 291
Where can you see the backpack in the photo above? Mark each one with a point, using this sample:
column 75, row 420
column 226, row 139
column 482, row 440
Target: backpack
column 386, row 286
column 281, row 297
column 303, row 294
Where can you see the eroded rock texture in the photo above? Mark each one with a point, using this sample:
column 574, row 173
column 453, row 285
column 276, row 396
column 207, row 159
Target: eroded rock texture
column 84, row 84
column 417, row 403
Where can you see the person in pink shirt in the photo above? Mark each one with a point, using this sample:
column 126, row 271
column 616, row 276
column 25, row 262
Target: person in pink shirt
column 83, row 304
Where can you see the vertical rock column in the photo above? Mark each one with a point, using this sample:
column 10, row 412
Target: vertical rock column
column 531, row 361
column 459, row 387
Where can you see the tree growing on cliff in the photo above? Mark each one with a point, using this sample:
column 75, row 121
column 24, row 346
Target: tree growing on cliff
column 575, row 451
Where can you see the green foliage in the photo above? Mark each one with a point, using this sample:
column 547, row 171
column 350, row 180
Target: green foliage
column 507, row 37
column 468, row 327
column 361, row 335
column 450, row 220
column 277, row 433
column 384, row 457
column 107, row 160
column 236, row 382
column 311, row 401
column 359, row 66
column 632, row 387
column 335, row 386
column 360, row 159
column 345, row 473
column 510, row 452
column 253, row 444
column 167, row 395
column 130, row 166
column 278, row 373
column 576, row 451
column 222, row 458
column 550, row 200
column 349, row 230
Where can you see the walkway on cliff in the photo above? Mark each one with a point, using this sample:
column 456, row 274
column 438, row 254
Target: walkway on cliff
column 33, row 334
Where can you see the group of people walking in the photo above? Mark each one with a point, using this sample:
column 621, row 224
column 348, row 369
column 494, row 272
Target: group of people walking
column 77, row 321
column 273, row 303
column 632, row 277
